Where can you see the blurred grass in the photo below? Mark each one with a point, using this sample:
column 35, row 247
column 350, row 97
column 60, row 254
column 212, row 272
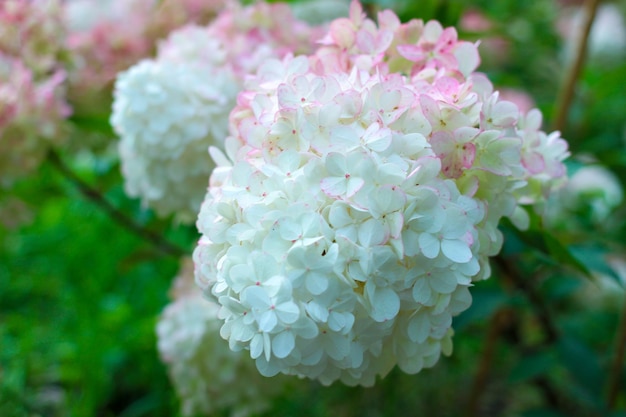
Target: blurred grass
column 77, row 314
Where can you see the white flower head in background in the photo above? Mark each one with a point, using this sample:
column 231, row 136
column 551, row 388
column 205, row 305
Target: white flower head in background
column 202, row 368
column 359, row 196
column 169, row 110
column 596, row 186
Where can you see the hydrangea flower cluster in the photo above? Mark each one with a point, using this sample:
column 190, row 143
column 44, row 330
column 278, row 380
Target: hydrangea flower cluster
column 359, row 197
column 32, row 85
column 200, row 364
column 31, row 112
column 106, row 37
column 593, row 192
column 169, row 110
column 33, row 30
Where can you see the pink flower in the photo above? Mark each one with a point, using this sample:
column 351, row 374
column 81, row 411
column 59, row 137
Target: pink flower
column 34, row 31
column 31, row 116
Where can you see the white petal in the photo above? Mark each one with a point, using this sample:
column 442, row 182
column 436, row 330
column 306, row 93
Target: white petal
column 334, row 186
column 282, row 344
column 316, row 283
column 429, row 245
column 353, row 185
column 372, row 233
column 340, row 321
column 422, row 292
column 443, row 282
column 419, row 328
column 255, row 297
column 267, row 321
column 317, row 312
column 456, row 250
column 256, row 346
column 385, row 303
column 288, row 312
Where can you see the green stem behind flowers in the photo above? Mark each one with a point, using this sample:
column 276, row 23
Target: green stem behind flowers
column 498, row 322
column 566, row 92
column 617, row 365
column 116, row 215
column 539, row 305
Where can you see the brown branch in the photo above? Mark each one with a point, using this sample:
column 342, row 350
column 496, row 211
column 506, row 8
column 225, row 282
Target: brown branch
column 98, row 199
column 371, row 10
column 617, row 365
column 498, row 322
column 566, row 92
column 531, row 293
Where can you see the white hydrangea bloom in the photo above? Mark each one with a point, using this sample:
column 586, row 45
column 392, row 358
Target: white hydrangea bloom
column 169, row 110
column 354, row 206
column 346, row 251
column 593, row 192
column 167, row 115
column 202, row 368
column 595, row 186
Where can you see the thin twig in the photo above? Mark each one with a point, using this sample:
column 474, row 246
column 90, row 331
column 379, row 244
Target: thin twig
column 97, row 198
column 566, row 92
column 371, row 10
column 617, row 365
column 539, row 305
column 497, row 323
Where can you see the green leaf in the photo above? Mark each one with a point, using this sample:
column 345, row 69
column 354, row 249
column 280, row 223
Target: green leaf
column 485, row 301
column 584, row 366
column 594, row 258
column 533, row 365
column 561, row 253
column 542, row 413
column 91, row 123
column 539, row 239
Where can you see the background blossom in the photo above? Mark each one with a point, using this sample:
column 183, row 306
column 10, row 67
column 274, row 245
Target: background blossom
column 200, row 365
column 169, row 110
column 31, row 114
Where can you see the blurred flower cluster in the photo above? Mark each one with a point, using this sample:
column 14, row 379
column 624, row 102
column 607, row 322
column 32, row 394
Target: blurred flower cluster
column 200, row 364
column 170, row 109
column 32, row 89
column 60, row 58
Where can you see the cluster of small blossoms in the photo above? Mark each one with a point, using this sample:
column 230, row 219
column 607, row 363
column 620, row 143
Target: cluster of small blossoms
column 106, row 37
column 170, row 109
column 359, row 197
column 33, row 30
column 32, row 90
column 31, row 112
column 592, row 193
column 200, row 365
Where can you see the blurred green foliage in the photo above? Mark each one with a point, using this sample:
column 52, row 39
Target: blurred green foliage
column 80, row 295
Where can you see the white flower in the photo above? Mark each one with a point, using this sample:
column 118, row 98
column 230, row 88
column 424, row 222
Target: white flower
column 598, row 187
column 167, row 116
column 324, row 233
column 355, row 206
column 168, row 111
column 201, row 366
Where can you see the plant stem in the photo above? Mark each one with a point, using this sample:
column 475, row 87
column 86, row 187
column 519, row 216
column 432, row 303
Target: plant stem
column 539, row 305
column 617, row 365
column 498, row 321
column 566, row 92
column 371, row 10
column 98, row 199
